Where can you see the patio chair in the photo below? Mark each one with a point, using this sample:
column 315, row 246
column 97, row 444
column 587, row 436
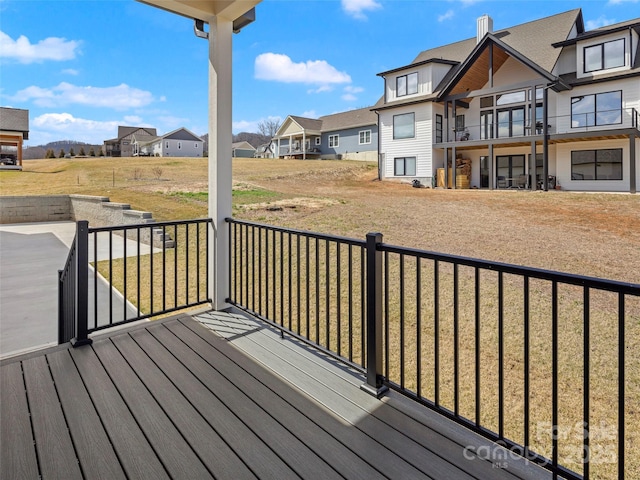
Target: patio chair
column 502, row 181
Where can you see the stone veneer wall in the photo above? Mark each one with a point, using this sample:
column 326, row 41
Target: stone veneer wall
column 98, row 211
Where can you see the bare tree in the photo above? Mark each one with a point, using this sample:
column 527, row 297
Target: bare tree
column 269, row 127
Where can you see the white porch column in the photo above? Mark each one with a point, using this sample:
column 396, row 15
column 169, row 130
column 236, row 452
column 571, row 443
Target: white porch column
column 304, row 146
column 220, row 173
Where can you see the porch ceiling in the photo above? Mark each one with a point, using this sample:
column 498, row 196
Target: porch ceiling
column 205, row 9
column 478, row 74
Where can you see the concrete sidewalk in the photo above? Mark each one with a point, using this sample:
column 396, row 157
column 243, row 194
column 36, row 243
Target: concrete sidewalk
column 30, row 257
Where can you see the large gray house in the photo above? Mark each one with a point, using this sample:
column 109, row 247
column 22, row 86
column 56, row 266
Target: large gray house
column 122, row 145
column 351, row 135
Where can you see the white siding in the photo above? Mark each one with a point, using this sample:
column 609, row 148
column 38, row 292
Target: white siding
column 419, row 147
column 567, row 61
column 563, row 166
column 606, row 38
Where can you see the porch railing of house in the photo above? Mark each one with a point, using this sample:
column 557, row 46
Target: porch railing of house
column 561, row 124
column 532, row 359
column 117, row 275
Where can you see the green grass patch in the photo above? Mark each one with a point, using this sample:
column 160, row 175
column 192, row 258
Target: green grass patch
column 239, row 197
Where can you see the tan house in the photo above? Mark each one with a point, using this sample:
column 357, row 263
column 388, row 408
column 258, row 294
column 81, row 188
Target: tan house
column 14, row 129
column 122, row 146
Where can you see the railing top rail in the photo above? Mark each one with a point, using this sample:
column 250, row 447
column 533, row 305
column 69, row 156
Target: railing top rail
column 571, row 279
column 304, row 233
column 147, row 225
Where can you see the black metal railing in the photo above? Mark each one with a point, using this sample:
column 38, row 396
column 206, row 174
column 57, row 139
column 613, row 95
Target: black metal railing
column 132, row 272
column 532, row 359
column 306, row 284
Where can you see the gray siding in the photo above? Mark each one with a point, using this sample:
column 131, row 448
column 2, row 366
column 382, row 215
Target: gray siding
column 349, row 141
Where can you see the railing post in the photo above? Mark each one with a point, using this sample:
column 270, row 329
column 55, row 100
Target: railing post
column 374, row 385
column 82, row 284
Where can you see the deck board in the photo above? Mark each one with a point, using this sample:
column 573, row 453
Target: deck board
column 173, row 450
column 172, row 399
column 96, row 454
column 18, row 454
column 54, row 447
column 135, row 454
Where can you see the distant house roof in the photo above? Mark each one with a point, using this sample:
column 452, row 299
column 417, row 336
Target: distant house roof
column 182, row 134
column 349, row 119
column 244, row 145
column 330, row 123
column 525, row 39
column 127, row 131
column 15, row 120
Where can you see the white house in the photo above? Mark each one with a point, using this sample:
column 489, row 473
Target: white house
column 178, row 143
column 537, row 105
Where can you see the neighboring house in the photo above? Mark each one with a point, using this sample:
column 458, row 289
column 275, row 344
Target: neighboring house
column 178, row 143
column 122, row 146
column 14, row 129
column 351, row 135
column 266, row 150
column 243, row 150
column 544, row 102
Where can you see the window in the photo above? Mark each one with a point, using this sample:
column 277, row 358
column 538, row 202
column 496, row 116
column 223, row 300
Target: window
column 404, row 166
column 511, row 122
column 604, row 55
column 406, row 84
column 438, row 128
column 318, row 140
column 596, row 164
column 404, row 126
column 333, row 141
column 179, row 145
column 365, row 137
column 598, row 109
column 166, row 145
column 486, row 102
column 486, row 124
column 195, row 145
column 459, row 123
column 509, row 98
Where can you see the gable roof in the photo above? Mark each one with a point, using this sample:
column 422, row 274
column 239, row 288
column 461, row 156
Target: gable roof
column 182, row 134
column 349, row 119
column 521, row 41
column 126, row 131
column 15, row 120
column 330, row 123
column 244, row 145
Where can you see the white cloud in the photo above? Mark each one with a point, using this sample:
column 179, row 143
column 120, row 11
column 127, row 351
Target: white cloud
column 356, row 8
column 618, row 2
column 252, row 125
column 52, row 48
column 350, row 92
column 446, row 16
column 352, row 89
column 323, row 88
column 120, row 97
column 601, row 21
column 55, row 126
column 132, row 119
column 70, row 71
column 280, row 68
column 310, row 114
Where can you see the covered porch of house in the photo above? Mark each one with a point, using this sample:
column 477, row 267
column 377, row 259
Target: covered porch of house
column 507, row 163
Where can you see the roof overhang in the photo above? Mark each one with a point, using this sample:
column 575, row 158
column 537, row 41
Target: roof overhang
column 471, row 74
column 206, row 9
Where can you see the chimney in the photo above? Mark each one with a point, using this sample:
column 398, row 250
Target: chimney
column 485, row 25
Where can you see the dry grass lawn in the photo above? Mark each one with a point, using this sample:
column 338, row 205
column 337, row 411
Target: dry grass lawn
column 581, row 233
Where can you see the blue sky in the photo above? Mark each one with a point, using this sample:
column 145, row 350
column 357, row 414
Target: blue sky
column 83, row 67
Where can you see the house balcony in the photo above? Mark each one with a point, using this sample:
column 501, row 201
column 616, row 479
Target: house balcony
column 560, row 129
column 340, row 358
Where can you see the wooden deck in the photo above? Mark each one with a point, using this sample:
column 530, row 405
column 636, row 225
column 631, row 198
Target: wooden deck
column 172, row 399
